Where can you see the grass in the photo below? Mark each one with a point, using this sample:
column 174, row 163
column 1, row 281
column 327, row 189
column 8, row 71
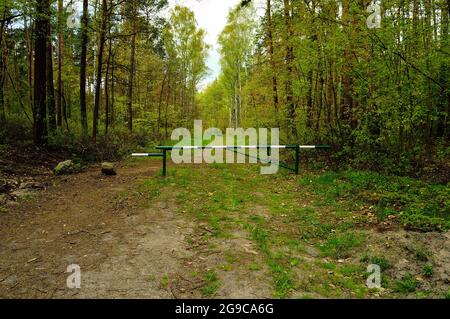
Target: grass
column 212, row 284
column 289, row 217
column 427, row 271
column 341, row 246
column 421, row 254
column 416, row 204
column 254, row 267
column 377, row 260
column 164, row 281
column 407, row 284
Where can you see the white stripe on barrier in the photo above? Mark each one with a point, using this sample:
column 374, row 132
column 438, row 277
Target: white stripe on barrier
column 139, row 154
column 230, row 147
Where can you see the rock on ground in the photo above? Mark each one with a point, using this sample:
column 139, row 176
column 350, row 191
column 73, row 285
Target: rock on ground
column 108, row 169
column 66, row 167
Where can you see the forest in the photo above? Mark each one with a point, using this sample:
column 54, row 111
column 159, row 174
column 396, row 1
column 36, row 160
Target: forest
column 312, row 68
column 95, row 80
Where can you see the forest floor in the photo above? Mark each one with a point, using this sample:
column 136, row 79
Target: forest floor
column 213, row 231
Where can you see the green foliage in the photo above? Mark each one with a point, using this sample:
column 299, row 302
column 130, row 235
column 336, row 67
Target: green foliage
column 213, row 284
column 186, row 61
column 283, row 281
column 254, row 267
column 397, row 121
column 407, row 284
column 418, row 205
column 427, row 271
column 421, row 254
column 164, row 281
column 341, row 245
column 382, row 262
column 290, row 228
column 119, row 143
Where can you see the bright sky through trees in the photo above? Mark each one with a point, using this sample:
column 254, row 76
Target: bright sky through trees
column 211, row 15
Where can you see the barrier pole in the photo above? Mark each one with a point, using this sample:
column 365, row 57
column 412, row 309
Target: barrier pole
column 164, row 162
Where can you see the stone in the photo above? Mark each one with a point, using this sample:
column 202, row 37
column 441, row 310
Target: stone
column 108, row 169
column 66, row 167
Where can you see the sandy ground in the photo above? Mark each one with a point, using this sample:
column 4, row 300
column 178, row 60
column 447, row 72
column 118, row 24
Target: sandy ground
column 123, row 249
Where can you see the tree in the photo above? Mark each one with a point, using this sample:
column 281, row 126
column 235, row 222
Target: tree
column 2, row 71
column 132, row 66
column 50, row 84
column 59, row 104
column 289, row 58
column 83, row 57
column 235, row 47
column 40, row 68
column 98, row 77
column 186, row 56
column 271, row 53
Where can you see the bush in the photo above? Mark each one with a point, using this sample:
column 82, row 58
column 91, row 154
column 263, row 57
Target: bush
column 118, row 144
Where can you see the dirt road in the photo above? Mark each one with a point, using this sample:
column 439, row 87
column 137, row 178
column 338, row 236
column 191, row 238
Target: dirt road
column 126, row 245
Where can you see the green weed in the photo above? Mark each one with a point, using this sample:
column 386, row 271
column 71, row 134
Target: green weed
column 406, row 285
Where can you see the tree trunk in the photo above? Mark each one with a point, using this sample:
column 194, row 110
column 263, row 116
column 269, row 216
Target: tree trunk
column 29, row 60
column 2, row 76
column 98, row 83
column 271, row 53
column 113, row 84
column 108, row 62
column 346, row 99
column 60, row 63
column 445, row 11
column 67, row 97
column 84, row 41
column 50, row 84
column 289, row 67
column 309, row 100
column 320, row 102
column 132, row 66
column 161, row 100
column 40, row 67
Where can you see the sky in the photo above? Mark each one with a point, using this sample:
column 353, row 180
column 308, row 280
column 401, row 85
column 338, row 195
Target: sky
column 211, row 15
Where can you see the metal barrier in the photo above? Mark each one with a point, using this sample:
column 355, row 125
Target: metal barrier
column 296, row 148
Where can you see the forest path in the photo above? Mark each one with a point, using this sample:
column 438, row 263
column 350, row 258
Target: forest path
column 126, row 244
